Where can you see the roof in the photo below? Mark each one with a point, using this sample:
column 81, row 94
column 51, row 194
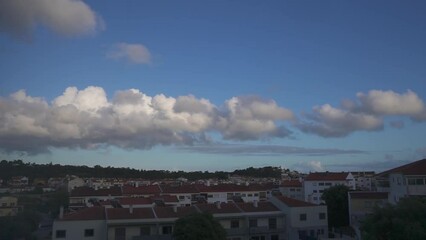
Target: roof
column 327, row 176
column 232, row 188
column 180, row 189
column 222, row 208
column 166, row 198
column 141, row 190
column 92, row 213
column 414, row 168
column 87, row 191
column 291, row 183
column 261, row 207
column 169, row 212
column 124, row 213
column 368, row 195
column 291, row 202
column 135, row 201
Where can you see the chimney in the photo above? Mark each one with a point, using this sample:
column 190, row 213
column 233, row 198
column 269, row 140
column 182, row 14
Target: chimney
column 255, row 204
column 61, row 212
column 217, row 204
column 175, row 208
column 131, row 208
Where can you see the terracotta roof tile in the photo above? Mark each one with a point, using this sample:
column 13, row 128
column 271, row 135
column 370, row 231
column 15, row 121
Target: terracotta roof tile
column 261, row 207
column 168, row 212
column 124, row 213
column 224, row 208
column 180, row 189
column 291, row 183
column 414, row 168
column 135, row 201
column 141, row 190
column 294, row 202
column 87, row 191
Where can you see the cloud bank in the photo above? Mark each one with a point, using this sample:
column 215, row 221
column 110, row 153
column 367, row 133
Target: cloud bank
column 131, row 119
column 19, row 18
column 367, row 113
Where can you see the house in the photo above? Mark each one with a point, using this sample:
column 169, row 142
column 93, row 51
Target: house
column 86, row 196
column 75, row 182
column 304, row 220
column 362, row 203
column 364, row 181
column 18, row 181
column 9, row 206
column 315, row 183
column 404, row 181
column 292, row 188
column 242, row 221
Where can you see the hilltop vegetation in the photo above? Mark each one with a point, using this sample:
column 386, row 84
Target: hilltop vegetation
column 9, row 169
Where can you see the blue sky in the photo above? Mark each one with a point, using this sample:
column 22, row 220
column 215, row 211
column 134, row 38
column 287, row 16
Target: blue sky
column 214, row 85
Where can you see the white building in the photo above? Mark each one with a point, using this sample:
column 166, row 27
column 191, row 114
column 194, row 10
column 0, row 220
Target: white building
column 304, row 220
column 315, row 183
column 364, row 181
column 404, row 181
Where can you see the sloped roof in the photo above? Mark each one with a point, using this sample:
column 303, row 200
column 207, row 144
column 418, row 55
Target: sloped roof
column 414, row 168
column 261, row 207
column 368, row 195
column 168, row 212
column 135, row 201
column 180, row 189
column 92, row 213
column 141, row 190
column 327, row 176
column 124, row 213
column 291, row 202
column 224, row 208
column 87, row 191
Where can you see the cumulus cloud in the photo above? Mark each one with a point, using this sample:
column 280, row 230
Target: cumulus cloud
column 311, row 166
column 364, row 114
column 131, row 119
column 132, row 53
column 19, row 18
column 249, row 118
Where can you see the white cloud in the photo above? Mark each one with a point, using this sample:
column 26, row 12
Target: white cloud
column 365, row 114
column 66, row 17
column 133, row 53
column 312, row 166
column 86, row 118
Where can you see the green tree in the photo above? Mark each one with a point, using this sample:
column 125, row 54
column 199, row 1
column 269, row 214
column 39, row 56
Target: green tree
column 198, row 226
column 336, row 198
column 406, row 220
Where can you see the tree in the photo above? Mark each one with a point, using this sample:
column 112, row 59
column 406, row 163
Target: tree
column 198, row 226
column 406, row 220
column 336, row 198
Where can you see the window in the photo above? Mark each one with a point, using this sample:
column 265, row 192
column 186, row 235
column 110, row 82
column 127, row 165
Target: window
column 167, row 230
column 210, row 196
column 272, row 223
column 61, row 233
column 419, row 181
column 256, row 194
column 328, row 184
column 120, row 233
column 89, row 232
column 315, row 199
column 257, row 238
column 315, row 191
column 249, row 195
column 235, row 223
column 321, row 184
column 302, row 217
column 181, row 197
column 322, row 216
column 274, row 237
column 253, row 223
column 292, row 189
column 145, row 231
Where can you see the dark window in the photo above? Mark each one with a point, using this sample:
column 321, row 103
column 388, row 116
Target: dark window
column 167, row 229
column 322, row 216
column 89, row 232
column 181, row 197
column 321, row 184
column 235, row 223
column 253, row 223
column 274, row 237
column 302, row 217
column 272, row 222
column 145, row 231
column 120, row 233
column 61, row 233
column 327, row 184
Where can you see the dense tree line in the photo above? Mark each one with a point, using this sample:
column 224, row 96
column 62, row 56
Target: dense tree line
column 9, row 169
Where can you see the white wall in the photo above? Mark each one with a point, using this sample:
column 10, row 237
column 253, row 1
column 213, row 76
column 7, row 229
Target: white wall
column 75, row 229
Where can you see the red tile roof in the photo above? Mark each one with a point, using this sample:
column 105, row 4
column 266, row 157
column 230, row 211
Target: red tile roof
column 124, row 213
column 414, row 168
column 135, row 201
column 294, row 202
column 261, row 207
column 224, row 208
column 87, row 191
column 327, row 176
column 291, row 183
column 368, row 195
column 166, row 198
column 93, row 213
column 168, row 212
column 180, row 189
column 141, row 190
column 231, row 188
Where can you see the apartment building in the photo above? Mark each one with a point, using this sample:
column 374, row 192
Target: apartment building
column 363, row 203
column 404, row 181
column 257, row 220
column 304, row 220
column 292, row 189
column 364, row 181
column 315, row 183
column 9, row 206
